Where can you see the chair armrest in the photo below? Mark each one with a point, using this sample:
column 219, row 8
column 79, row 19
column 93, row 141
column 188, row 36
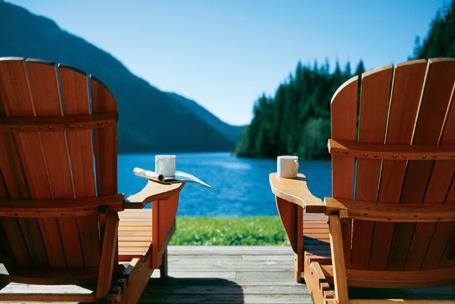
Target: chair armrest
column 153, row 191
column 295, row 190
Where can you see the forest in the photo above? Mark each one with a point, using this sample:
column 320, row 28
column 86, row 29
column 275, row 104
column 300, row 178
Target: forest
column 296, row 121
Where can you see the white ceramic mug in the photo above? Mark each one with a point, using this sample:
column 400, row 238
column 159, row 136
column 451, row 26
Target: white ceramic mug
column 287, row 166
column 165, row 165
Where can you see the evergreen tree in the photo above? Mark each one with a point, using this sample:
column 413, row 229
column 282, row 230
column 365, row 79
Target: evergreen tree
column 440, row 40
column 360, row 69
column 297, row 119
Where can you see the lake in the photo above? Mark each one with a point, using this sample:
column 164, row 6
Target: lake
column 240, row 186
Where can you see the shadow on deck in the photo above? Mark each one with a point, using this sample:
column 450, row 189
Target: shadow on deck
column 262, row 274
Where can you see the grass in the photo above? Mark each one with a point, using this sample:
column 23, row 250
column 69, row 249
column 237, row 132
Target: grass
column 237, row 231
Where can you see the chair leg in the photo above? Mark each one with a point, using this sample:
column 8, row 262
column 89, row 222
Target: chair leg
column 164, row 267
column 298, row 276
column 298, row 267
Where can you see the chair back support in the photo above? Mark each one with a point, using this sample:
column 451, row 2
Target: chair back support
column 54, row 145
column 409, row 104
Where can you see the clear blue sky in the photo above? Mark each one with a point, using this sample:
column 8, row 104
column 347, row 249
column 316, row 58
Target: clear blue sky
column 225, row 54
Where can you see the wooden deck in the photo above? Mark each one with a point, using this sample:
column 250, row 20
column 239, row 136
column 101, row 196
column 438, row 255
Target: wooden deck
column 228, row 274
column 234, row 274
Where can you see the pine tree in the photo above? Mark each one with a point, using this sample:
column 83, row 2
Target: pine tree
column 440, row 40
column 297, row 119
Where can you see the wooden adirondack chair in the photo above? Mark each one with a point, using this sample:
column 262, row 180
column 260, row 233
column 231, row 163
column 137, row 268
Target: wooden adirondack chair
column 392, row 214
column 59, row 205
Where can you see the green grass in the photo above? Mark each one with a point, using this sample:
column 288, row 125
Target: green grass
column 212, row 231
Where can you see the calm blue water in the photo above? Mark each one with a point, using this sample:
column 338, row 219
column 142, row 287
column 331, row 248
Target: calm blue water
column 240, row 187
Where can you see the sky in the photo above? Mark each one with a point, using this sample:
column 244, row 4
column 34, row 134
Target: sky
column 225, row 54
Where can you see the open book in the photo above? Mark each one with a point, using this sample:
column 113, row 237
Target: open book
column 178, row 178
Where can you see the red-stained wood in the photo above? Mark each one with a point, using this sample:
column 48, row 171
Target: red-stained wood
column 46, row 99
column 420, row 113
column 52, row 242
column 32, row 236
column 3, row 189
column 364, row 150
column 406, row 90
column 440, row 188
column 374, row 103
column 107, row 256
column 88, row 230
column 435, row 100
column 46, row 168
column 75, row 98
column 344, row 127
column 17, row 242
column 71, row 241
column 288, row 215
column 11, row 168
column 12, row 171
column 163, row 216
column 339, row 268
column 17, row 99
column 448, row 258
column 105, row 140
column 293, row 221
column 437, row 246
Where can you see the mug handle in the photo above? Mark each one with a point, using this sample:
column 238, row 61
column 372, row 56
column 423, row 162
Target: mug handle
column 296, row 167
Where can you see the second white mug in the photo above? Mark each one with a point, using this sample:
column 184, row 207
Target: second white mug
column 287, row 166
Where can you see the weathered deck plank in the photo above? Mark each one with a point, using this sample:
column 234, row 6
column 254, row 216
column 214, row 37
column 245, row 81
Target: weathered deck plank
column 231, row 274
column 228, row 274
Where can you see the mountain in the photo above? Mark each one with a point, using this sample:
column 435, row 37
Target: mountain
column 231, row 132
column 150, row 120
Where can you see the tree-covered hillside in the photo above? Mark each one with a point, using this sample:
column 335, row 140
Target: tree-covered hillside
column 297, row 119
column 440, row 40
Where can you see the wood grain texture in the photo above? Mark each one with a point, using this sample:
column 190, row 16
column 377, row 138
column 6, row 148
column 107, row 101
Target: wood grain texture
column 163, row 216
column 434, row 105
column 105, row 140
column 295, row 190
column 46, row 99
column 17, row 101
column 336, row 247
column 288, row 215
column 50, row 162
column 343, row 109
column 406, row 90
column 75, row 98
column 374, row 104
column 107, row 256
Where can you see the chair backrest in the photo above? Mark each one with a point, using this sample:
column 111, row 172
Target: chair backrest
column 409, row 104
column 58, row 141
